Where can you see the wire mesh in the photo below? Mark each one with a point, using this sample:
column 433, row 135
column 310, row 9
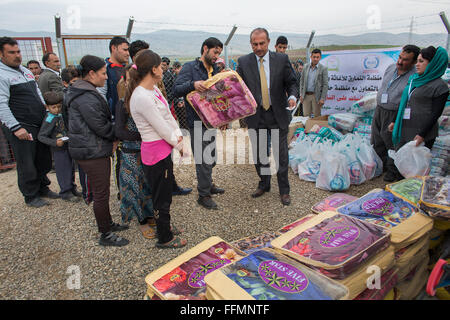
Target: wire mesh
column 76, row 48
column 7, row 160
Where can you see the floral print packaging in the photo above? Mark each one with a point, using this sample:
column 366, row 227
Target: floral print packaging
column 227, row 99
column 333, row 202
column 435, row 198
column 268, row 275
column 333, row 244
column 406, row 222
column 407, row 189
column 183, row 277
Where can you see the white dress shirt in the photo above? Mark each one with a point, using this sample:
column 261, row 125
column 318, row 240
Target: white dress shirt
column 266, row 64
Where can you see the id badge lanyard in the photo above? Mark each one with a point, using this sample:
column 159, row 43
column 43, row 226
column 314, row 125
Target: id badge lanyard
column 384, row 97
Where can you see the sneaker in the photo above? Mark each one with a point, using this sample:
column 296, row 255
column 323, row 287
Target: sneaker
column 207, row 202
column 110, row 239
column 50, row 195
column 118, row 227
column 37, row 203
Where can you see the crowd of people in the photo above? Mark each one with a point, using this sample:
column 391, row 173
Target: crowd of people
column 112, row 116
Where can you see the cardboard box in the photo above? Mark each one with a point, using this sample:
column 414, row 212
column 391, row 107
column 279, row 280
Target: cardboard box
column 321, row 121
column 292, row 127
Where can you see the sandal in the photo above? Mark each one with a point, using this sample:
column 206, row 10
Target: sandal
column 149, row 233
column 175, row 243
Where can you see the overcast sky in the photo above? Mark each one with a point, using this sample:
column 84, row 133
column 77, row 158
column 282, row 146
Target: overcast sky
column 347, row 17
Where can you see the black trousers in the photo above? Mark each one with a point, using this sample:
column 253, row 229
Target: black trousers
column 260, row 148
column 33, row 162
column 381, row 138
column 161, row 179
column 65, row 170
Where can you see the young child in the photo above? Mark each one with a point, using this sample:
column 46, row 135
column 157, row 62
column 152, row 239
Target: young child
column 53, row 133
column 68, row 76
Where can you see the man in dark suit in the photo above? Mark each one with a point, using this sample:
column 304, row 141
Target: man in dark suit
column 271, row 79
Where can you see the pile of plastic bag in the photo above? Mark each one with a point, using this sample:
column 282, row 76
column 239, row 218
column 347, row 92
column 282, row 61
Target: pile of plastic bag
column 335, row 165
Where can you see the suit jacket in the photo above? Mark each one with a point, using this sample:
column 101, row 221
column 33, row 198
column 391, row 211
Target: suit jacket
column 282, row 85
column 321, row 83
column 49, row 81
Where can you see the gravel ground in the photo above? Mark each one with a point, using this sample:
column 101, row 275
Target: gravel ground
column 37, row 246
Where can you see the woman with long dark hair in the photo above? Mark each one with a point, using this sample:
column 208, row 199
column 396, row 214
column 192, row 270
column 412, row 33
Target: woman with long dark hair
column 135, row 192
column 160, row 134
column 92, row 140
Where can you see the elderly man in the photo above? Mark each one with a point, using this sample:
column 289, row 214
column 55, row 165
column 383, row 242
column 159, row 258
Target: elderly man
column 50, row 78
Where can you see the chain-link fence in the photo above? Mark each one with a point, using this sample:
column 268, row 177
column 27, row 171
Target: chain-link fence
column 7, row 160
column 33, row 48
column 177, row 106
column 75, row 47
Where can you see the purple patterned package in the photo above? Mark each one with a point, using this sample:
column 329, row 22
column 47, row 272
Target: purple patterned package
column 334, row 244
column 227, row 99
column 333, row 202
column 183, row 277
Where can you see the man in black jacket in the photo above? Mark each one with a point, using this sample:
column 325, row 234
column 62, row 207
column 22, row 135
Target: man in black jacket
column 271, row 79
column 192, row 77
column 22, row 110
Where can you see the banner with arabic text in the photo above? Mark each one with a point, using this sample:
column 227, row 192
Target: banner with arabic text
column 353, row 74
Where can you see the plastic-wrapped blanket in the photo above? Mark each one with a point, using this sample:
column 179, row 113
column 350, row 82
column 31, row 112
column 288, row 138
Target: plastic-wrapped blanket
column 183, row 277
column 227, row 99
column 435, row 197
column 343, row 121
column 407, row 189
column 365, row 105
column 333, row 202
column 268, row 275
column 333, row 244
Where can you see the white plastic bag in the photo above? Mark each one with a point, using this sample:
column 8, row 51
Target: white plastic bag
column 347, row 148
column 309, row 169
column 334, row 174
column 343, row 121
column 299, row 153
column 412, row 161
column 365, row 157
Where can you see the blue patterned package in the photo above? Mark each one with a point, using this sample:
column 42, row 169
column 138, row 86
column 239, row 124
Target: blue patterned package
column 268, row 275
column 381, row 208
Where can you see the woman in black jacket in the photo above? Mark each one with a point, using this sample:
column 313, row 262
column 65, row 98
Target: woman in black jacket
column 92, row 140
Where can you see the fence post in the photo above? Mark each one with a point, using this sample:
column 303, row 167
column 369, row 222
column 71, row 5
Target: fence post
column 130, row 27
column 227, row 64
column 447, row 26
column 309, row 45
column 62, row 53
